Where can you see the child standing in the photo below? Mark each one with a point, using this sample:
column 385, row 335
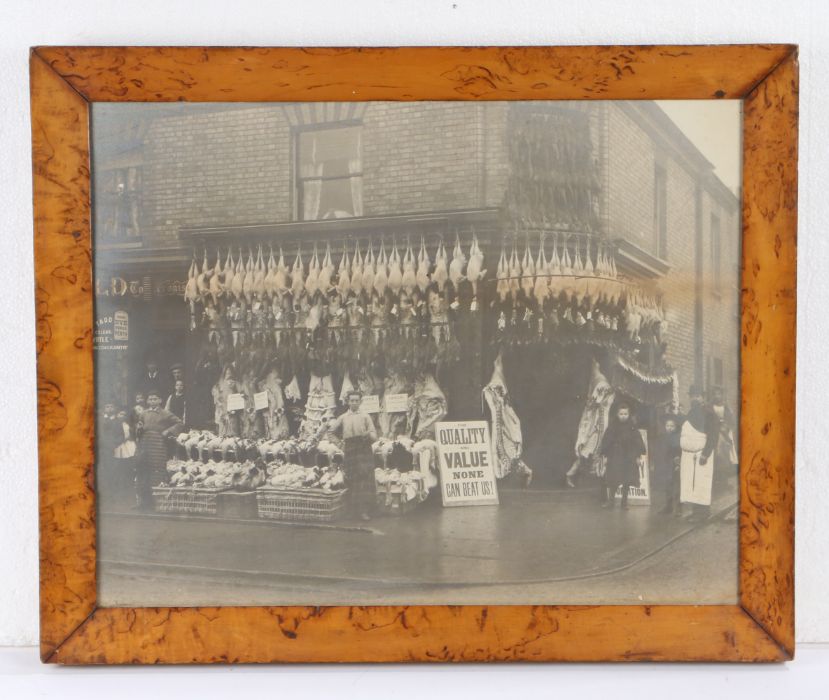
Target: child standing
column 668, row 453
column 622, row 449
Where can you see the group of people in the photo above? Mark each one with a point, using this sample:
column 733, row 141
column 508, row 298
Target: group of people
column 134, row 444
column 692, row 454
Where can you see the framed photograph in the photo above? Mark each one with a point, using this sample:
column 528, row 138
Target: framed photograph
column 415, row 354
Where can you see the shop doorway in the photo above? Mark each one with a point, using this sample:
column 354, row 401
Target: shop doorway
column 548, row 386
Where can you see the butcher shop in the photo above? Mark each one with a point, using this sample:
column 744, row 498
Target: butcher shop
column 426, row 322
column 506, row 280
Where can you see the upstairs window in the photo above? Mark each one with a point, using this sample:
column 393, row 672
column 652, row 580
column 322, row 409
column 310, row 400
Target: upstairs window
column 118, row 192
column 329, row 172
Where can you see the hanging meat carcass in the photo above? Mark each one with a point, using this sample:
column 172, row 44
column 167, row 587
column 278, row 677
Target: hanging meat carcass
column 507, row 441
column 456, row 267
column 527, row 271
column 312, row 279
column 298, row 275
column 502, row 275
column 580, row 283
column 238, row 285
column 356, row 282
column 409, row 277
column 247, row 283
column 542, row 272
column 441, row 273
column 369, row 270
column 270, row 275
column 381, row 278
column 282, row 278
column 327, row 271
column 474, row 270
column 554, row 281
column 191, row 291
column 344, row 276
column 258, row 284
column 229, row 274
column 514, row 272
column 216, row 282
column 567, row 281
column 423, row 264
column 395, row 270
column 203, row 279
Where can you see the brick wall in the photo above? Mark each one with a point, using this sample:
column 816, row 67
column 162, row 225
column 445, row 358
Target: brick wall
column 631, row 156
column 235, row 166
column 216, row 168
column 422, row 156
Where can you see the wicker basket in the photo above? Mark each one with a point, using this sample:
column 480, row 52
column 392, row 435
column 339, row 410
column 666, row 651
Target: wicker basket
column 198, row 501
column 310, row 505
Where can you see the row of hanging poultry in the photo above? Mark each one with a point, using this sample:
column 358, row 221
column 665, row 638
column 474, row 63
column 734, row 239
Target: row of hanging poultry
column 575, row 269
column 246, row 279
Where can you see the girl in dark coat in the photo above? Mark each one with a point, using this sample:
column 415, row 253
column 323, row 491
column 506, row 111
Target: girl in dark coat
column 622, row 449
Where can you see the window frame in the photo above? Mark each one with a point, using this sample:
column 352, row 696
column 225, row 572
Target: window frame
column 298, row 180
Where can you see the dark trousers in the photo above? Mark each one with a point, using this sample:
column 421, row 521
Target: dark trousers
column 145, row 478
column 359, row 467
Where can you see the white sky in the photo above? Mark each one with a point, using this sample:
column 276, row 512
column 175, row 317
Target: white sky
column 715, row 127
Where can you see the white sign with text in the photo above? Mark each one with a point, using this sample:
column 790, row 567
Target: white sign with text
column 370, row 404
column 396, row 403
column 235, row 402
column 467, row 477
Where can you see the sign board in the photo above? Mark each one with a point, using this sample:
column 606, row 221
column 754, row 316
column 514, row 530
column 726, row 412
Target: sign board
column 260, row 401
column 640, row 495
column 370, row 404
column 467, row 476
column 112, row 331
column 235, row 402
column 396, row 403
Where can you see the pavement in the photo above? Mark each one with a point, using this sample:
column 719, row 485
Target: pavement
column 533, row 538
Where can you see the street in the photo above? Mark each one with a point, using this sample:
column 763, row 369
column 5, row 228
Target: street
column 537, row 546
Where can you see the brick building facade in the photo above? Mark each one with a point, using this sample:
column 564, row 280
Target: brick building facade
column 168, row 178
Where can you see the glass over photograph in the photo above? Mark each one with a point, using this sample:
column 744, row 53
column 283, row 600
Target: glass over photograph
column 380, row 353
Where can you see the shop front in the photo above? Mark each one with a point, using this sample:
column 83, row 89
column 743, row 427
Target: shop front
column 425, row 320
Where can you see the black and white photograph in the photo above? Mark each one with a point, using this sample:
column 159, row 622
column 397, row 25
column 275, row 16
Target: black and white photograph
column 417, row 352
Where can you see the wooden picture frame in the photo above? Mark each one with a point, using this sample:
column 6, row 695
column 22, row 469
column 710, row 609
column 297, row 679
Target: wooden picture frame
column 75, row 630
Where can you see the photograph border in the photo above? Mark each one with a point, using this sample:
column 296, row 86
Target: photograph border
column 75, row 630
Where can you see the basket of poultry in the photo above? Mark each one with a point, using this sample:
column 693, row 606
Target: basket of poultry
column 296, row 493
column 405, row 473
column 194, row 487
column 398, row 492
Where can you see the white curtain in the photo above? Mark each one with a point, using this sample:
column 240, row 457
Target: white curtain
column 312, row 189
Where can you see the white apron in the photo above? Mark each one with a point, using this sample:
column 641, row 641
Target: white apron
column 695, row 479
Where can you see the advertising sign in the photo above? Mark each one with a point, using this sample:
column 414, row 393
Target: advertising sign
column 467, row 477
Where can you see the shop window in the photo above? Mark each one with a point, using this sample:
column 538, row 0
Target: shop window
column 660, row 211
column 118, row 193
column 329, row 172
column 716, row 254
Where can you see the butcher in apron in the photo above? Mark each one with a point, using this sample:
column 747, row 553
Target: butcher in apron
column 697, row 440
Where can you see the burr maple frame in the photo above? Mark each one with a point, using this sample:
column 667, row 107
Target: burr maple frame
column 75, row 630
